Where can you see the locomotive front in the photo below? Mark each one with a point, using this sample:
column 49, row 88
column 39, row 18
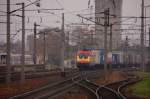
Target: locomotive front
column 83, row 59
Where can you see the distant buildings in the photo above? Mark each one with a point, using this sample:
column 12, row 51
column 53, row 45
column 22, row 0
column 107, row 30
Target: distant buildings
column 52, row 43
column 115, row 7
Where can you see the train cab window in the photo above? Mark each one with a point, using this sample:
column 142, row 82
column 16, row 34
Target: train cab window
column 83, row 56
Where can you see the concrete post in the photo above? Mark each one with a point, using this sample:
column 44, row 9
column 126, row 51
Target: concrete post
column 23, row 43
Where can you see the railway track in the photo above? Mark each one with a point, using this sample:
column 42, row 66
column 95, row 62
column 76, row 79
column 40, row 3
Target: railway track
column 115, row 85
column 99, row 92
column 90, row 88
column 118, row 86
column 37, row 74
column 130, row 82
column 53, row 90
column 108, row 91
column 49, row 91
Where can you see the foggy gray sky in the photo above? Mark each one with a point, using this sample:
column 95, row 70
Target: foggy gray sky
column 130, row 8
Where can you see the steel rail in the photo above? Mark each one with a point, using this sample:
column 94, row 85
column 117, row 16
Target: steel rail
column 48, row 90
column 115, row 85
column 119, row 85
column 57, row 92
column 106, row 92
column 52, row 90
column 33, row 74
column 92, row 88
column 99, row 92
column 134, row 80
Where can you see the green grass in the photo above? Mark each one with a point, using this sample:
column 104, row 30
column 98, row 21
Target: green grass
column 143, row 74
column 142, row 88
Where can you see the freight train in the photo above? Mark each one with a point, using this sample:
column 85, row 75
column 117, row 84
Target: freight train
column 94, row 59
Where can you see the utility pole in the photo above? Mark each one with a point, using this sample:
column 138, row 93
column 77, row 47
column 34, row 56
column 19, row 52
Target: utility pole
column 110, row 44
column 44, row 49
column 92, row 39
column 67, row 44
column 34, row 49
column 62, row 46
column 126, row 51
column 68, row 50
column 110, row 41
column 149, row 36
column 8, row 78
column 142, row 36
column 106, row 16
column 23, row 43
column 145, row 24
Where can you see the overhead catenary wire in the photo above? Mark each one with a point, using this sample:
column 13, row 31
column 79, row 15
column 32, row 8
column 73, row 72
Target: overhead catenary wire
column 66, row 12
column 3, row 12
column 59, row 4
column 25, row 6
column 37, row 0
column 29, row 1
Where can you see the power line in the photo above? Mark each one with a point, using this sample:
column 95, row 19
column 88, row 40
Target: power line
column 59, row 4
column 24, row 6
column 6, row 34
column 3, row 12
column 70, row 12
column 40, row 9
column 6, row 4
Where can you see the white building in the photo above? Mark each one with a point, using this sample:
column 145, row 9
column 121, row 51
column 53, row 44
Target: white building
column 115, row 8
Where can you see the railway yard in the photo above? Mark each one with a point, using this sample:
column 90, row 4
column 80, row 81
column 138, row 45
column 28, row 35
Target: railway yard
column 75, row 85
column 74, row 49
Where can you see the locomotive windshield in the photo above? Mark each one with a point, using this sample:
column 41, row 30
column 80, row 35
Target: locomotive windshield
column 83, row 56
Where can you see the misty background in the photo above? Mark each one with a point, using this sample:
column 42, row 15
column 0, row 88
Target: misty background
column 52, row 18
